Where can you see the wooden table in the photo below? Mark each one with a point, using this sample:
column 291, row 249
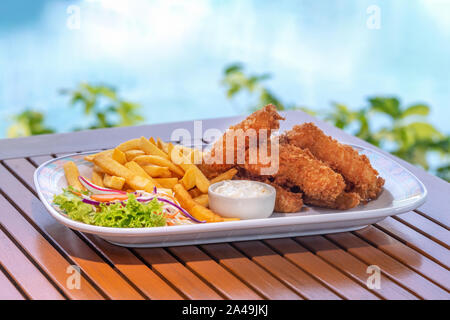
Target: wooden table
column 37, row 254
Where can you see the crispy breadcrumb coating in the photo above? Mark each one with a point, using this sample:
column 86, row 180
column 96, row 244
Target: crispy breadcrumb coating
column 360, row 176
column 344, row 201
column 298, row 167
column 236, row 140
column 286, row 201
column 311, row 167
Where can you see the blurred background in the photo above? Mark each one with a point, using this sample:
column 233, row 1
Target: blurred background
column 70, row 65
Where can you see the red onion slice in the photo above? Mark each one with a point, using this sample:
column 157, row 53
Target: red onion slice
column 96, row 189
column 89, row 201
column 187, row 214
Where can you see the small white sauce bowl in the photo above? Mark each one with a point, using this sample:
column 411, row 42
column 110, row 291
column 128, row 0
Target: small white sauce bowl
column 244, row 208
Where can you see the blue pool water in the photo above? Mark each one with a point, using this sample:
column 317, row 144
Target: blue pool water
column 169, row 55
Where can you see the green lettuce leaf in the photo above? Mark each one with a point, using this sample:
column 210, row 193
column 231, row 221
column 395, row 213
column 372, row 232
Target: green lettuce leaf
column 133, row 215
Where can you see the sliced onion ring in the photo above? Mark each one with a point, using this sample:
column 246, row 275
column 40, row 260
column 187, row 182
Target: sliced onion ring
column 96, row 189
column 89, row 201
column 187, row 214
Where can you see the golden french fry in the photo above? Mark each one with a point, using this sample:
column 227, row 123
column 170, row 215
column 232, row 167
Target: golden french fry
column 166, row 190
column 179, row 155
column 150, row 149
column 97, row 178
column 159, row 143
column 140, row 183
column 159, row 161
column 137, row 169
column 157, row 171
column 230, row 219
column 113, row 182
column 227, row 175
column 170, row 150
column 119, row 156
column 200, row 180
column 131, row 154
column 201, row 213
column 164, row 146
column 71, row 172
column 174, row 151
column 112, row 167
column 189, row 178
column 202, row 200
column 183, row 197
column 98, row 169
column 129, row 145
column 168, row 183
column 152, row 140
column 91, row 157
column 196, row 156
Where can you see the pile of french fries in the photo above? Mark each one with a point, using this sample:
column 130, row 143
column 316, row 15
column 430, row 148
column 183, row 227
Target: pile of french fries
column 142, row 164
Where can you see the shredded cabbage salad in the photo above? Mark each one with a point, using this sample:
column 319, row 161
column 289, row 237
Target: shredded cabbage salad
column 133, row 210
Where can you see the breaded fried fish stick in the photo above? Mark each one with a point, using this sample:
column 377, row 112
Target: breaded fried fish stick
column 344, row 201
column 285, row 201
column 360, row 176
column 298, row 167
column 236, row 140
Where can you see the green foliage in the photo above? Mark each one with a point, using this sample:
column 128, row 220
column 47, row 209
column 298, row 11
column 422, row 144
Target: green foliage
column 406, row 133
column 101, row 105
column 236, row 81
column 27, row 123
column 106, row 107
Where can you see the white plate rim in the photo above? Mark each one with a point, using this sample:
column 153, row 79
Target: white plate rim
column 231, row 225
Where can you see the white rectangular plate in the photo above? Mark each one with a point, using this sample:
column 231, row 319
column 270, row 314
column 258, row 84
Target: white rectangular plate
column 402, row 192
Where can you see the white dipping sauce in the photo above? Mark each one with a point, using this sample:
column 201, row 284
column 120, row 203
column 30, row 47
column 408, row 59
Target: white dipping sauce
column 242, row 189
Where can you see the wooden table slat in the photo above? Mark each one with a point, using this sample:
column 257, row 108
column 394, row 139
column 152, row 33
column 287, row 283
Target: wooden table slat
column 285, row 271
column 8, row 289
column 427, row 227
column 139, row 274
column 177, row 274
column 389, row 266
column 43, row 253
column 353, row 267
column 320, row 269
column 226, row 283
column 20, row 268
column 37, row 161
column 251, row 273
column 416, row 240
column 407, row 256
column 68, row 241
